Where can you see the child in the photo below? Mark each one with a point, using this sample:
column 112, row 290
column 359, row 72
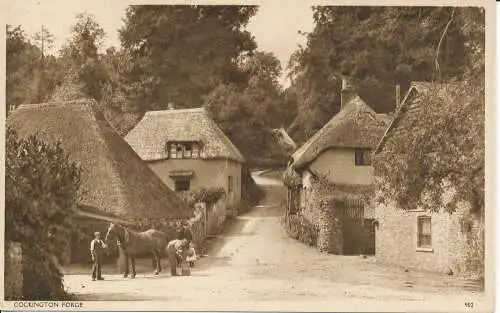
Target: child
column 191, row 255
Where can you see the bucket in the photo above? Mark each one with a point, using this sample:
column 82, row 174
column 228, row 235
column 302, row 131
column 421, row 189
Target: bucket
column 186, row 271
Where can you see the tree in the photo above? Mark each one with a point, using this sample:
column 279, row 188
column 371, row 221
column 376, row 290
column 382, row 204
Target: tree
column 27, row 81
column 181, row 53
column 43, row 40
column 247, row 114
column 81, row 55
column 376, row 48
column 41, row 188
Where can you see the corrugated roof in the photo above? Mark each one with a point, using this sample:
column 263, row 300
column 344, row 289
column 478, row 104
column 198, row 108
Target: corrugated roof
column 355, row 126
column 114, row 179
column 149, row 137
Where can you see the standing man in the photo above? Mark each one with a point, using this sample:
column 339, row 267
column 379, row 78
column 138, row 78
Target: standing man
column 185, row 232
column 176, row 251
column 97, row 247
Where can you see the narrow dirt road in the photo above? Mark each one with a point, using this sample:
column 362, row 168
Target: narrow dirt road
column 254, row 261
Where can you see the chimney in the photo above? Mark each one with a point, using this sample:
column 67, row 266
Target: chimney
column 171, row 106
column 398, row 97
column 347, row 93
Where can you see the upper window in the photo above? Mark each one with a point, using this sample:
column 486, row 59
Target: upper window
column 183, row 150
column 362, row 156
column 424, row 239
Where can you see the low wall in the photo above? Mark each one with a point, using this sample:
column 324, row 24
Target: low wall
column 13, row 286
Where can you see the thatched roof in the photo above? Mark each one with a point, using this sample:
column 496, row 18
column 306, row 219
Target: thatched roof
column 114, row 179
column 355, row 126
column 411, row 108
column 149, row 137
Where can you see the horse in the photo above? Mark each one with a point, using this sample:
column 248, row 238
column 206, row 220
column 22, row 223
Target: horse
column 136, row 243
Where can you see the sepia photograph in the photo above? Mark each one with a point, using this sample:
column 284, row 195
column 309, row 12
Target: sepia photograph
column 248, row 156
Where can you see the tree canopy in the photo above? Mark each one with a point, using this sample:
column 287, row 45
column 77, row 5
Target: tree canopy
column 375, row 48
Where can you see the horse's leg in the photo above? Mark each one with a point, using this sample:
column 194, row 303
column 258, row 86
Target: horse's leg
column 125, row 256
column 132, row 263
column 157, row 260
column 158, row 253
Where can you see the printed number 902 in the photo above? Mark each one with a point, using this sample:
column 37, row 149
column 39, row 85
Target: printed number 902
column 469, row 304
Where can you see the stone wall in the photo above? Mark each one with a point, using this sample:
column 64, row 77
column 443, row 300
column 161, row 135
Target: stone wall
column 326, row 217
column 13, row 286
column 450, row 252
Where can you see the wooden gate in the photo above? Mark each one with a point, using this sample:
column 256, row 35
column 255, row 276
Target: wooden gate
column 353, row 227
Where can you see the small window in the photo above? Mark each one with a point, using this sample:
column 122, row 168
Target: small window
column 182, row 185
column 179, row 151
column 183, row 150
column 362, row 157
column 196, row 151
column 173, row 151
column 188, row 152
column 230, row 184
column 424, row 232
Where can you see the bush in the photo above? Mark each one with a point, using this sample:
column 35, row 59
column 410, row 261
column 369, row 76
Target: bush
column 41, row 188
column 208, row 196
column 297, row 227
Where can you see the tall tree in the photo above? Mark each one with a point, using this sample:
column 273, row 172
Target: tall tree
column 248, row 113
column 44, row 40
column 376, row 48
column 81, row 54
column 25, row 81
column 181, row 53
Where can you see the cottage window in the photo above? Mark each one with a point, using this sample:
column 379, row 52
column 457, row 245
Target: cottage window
column 362, row 157
column 196, row 151
column 424, row 239
column 182, row 185
column 173, row 151
column 183, row 150
column 230, row 184
column 188, row 152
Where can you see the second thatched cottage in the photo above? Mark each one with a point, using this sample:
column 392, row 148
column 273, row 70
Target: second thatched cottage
column 188, row 151
column 328, row 176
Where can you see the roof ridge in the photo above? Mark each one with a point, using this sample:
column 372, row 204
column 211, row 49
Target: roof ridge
column 51, row 104
column 168, row 111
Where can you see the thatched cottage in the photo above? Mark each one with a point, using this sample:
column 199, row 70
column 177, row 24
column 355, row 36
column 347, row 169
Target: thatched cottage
column 116, row 186
column 414, row 237
column 334, row 165
column 188, row 151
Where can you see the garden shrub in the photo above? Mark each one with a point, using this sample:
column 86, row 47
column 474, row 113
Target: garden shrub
column 299, row 228
column 42, row 187
column 209, row 196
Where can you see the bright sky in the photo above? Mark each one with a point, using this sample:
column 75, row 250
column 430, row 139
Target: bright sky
column 275, row 29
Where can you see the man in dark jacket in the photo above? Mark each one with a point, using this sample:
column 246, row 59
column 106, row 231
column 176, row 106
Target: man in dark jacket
column 185, row 232
column 176, row 251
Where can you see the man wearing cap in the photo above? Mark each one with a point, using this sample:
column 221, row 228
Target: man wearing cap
column 176, row 251
column 97, row 247
column 184, row 232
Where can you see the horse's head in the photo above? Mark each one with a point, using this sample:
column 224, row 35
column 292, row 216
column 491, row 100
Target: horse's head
column 113, row 232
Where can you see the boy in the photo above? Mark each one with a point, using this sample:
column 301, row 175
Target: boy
column 97, row 247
